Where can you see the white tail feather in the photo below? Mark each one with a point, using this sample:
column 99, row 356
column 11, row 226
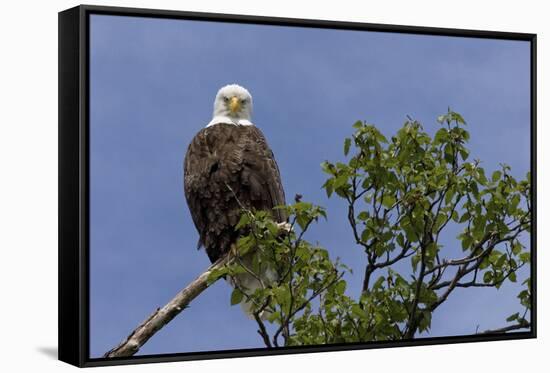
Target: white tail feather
column 248, row 283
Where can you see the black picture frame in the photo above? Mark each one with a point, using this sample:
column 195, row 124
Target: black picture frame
column 74, row 182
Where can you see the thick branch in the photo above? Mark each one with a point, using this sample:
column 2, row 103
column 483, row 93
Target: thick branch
column 521, row 325
column 164, row 315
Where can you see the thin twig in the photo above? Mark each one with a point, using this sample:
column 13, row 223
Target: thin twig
column 262, row 330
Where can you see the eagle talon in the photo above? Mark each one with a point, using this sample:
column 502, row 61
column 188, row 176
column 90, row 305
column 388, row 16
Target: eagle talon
column 233, row 250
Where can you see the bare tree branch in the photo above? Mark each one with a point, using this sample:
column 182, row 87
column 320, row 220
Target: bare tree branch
column 164, row 315
column 520, row 325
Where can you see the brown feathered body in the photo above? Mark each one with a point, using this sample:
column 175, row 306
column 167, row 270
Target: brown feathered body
column 227, row 168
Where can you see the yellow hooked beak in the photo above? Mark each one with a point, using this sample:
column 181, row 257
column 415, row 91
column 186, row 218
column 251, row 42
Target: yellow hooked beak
column 234, row 104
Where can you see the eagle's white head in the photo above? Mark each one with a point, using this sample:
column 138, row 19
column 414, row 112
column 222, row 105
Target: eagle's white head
column 233, row 104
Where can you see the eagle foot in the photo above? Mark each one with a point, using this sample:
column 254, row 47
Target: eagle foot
column 233, row 250
column 284, row 227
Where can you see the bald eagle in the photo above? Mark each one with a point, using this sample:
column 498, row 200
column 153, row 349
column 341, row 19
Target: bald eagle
column 229, row 165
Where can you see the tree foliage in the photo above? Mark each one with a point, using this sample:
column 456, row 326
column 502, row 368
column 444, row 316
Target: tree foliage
column 401, row 194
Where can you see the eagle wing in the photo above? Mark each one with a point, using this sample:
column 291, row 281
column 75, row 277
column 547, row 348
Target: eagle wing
column 226, row 168
column 263, row 175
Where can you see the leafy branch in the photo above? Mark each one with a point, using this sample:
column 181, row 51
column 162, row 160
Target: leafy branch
column 402, row 196
column 404, row 192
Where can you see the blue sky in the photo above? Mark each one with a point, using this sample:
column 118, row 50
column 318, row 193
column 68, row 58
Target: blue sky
column 152, row 87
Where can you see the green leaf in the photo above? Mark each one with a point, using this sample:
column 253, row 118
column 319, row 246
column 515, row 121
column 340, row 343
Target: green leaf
column 482, row 179
column 496, row 176
column 282, row 295
column 457, row 117
column 484, row 263
column 366, row 235
column 236, row 296
column 454, row 216
column 243, row 221
column 448, row 152
column 441, row 218
column 357, row 311
column 302, row 221
column 340, row 181
column 525, row 257
column 431, row 250
column 487, row 277
column 347, row 144
column 244, row 244
column 410, row 233
column 378, row 283
column 329, row 188
column 425, row 321
column 415, row 259
column 467, row 242
column 501, row 260
column 516, row 248
column 401, row 240
column 328, row 168
column 513, row 317
column 464, row 153
column 274, row 316
column 464, row 217
column 216, row 274
column 479, row 227
column 449, row 195
column 388, row 201
column 340, row 287
column 440, row 136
